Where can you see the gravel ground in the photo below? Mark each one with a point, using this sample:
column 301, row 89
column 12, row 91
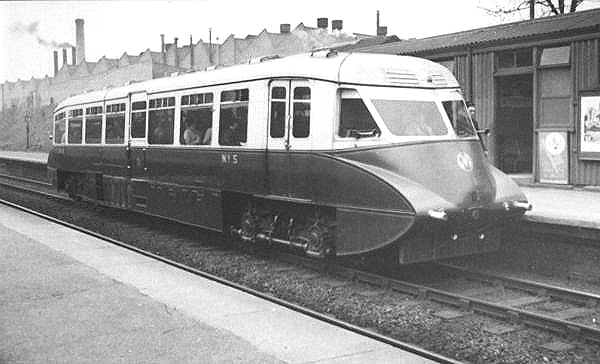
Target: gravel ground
column 403, row 317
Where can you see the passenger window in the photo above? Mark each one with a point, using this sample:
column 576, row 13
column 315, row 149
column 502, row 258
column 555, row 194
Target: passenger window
column 115, row 123
column 278, row 112
column 93, row 125
column 301, row 121
column 138, row 119
column 233, row 121
column 75, row 126
column 355, row 118
column 59, row 128
column 196, row 119
column 161, row 116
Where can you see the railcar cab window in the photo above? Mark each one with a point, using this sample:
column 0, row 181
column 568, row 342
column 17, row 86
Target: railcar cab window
column 75, row 125
column 278, row 112
column 301, row 121
column 93, row 125
column 459, row 118
column 355, row 119
column 161, row 116
column 115, row 123
column 59, row 128
column 411, row 118
column 196, row 119
column 233, row 120
column 138, row 119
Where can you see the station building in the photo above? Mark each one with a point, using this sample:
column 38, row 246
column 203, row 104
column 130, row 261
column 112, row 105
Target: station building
column 535, row 85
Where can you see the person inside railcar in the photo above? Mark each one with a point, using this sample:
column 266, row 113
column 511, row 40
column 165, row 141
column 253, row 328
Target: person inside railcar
column 191, row 135
column 232, row 135
column 207, row 136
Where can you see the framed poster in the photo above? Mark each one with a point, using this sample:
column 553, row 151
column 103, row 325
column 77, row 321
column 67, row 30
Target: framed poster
column 553, row 157
column 589, row 124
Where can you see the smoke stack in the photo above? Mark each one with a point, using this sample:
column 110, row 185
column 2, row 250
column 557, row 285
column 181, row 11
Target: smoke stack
column 284, row 28
column 80, row 40
column 191, row 53
column 176, row 52
column 162, row 49
column 336, row 24
column 73, row 56
column 322, row 23
column 55, row 63
column 65, row 56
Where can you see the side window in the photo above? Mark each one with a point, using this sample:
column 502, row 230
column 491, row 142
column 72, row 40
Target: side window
column 138, row 119
column 75, row 126
column 93, row 125
column 115, row 123
column 161, row 116
column 459, row 118
column 355, row 118
column 60, row 137
column 278, row 112
column 196, row 119
column 301, row 121
column 233, row 121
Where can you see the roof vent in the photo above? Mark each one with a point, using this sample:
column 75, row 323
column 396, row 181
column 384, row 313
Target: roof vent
column 401, row 77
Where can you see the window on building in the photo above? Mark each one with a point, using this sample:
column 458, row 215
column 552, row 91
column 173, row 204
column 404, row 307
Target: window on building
column 233, row 121
column 115, row 123
column 355, row 118
column 516, row 58
column 278, row 112
column 93, row 125
column 75, row 126
column 301, row 112
column 556, row 56
column 161, row 118
column 138, row 119
column 196, row 119
column 59, row 128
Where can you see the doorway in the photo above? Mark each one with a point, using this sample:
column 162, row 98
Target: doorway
column 514, row 124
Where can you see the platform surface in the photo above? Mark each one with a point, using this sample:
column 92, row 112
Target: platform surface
column 66, row 297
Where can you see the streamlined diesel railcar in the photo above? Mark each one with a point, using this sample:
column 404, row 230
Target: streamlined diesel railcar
column 335, row 154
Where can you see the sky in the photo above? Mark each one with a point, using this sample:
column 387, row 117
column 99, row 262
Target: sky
column 31, row 30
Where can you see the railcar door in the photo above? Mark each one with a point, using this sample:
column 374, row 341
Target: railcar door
column 289, row 142
column 137, row 149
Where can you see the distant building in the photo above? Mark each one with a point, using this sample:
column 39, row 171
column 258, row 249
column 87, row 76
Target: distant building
column 83, row 76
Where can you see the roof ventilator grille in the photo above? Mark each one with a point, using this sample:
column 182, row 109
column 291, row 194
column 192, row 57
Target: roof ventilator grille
column 401, row 77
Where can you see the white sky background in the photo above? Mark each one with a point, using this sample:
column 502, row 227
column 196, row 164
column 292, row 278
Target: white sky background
column 132, row 26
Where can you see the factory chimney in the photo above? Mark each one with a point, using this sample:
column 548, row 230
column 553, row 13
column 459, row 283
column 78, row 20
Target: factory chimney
column 65, row 56
column 80, row 40
column 73, row 56
column 176, row 55
column 323, row 23
column 55, row 63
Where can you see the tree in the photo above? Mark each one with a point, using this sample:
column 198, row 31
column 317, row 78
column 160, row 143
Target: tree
column 545, row 7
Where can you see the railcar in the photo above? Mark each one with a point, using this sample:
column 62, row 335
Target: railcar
column 335, row 154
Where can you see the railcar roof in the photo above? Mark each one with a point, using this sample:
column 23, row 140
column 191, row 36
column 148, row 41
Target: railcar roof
column 343, row 68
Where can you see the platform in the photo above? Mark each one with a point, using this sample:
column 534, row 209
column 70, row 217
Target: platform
column 69, row 298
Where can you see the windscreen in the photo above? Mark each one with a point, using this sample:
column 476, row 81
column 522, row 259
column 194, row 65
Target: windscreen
column 411, row 117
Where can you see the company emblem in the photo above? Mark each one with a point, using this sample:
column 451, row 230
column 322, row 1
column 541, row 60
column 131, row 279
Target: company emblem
column 464, row 161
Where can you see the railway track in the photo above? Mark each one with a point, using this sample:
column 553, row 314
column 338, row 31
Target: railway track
column 515, row 301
